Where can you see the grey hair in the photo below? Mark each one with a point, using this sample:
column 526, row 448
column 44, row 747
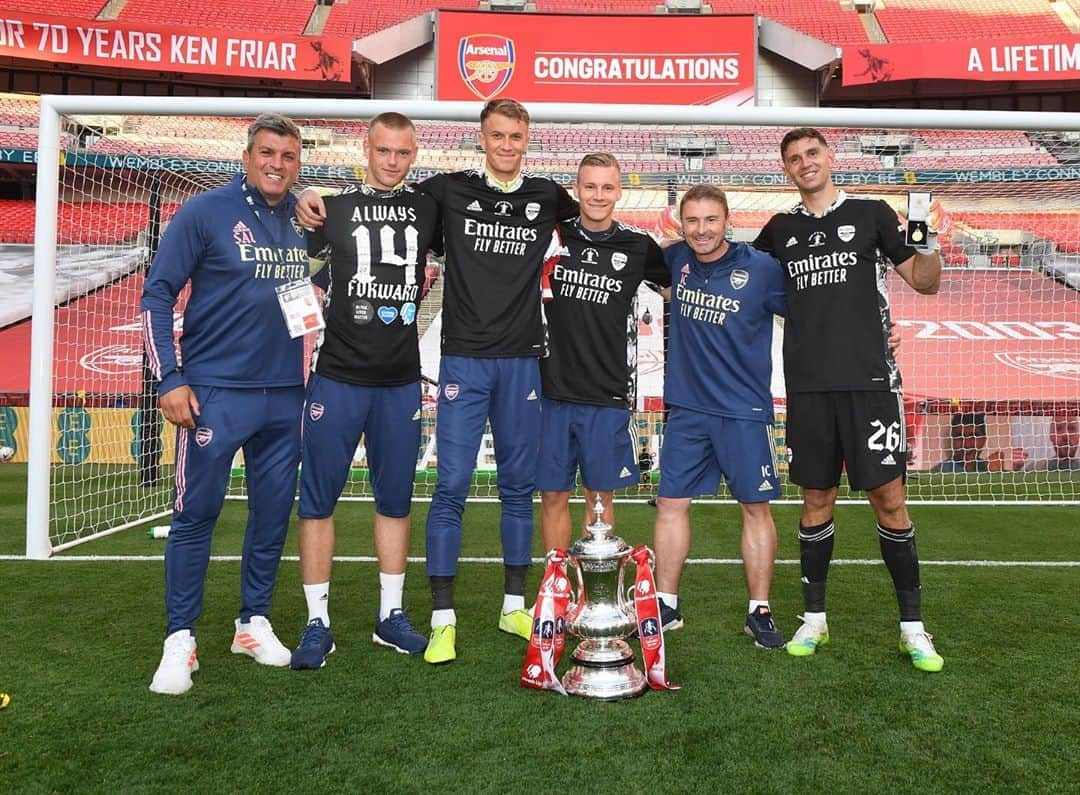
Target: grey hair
column 275, row 123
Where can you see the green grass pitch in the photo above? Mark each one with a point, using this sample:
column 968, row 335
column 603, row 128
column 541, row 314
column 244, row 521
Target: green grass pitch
column 79, row 641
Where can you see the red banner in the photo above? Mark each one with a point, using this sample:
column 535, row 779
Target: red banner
column 118, row 46
column 997, row 59
column 658, row 60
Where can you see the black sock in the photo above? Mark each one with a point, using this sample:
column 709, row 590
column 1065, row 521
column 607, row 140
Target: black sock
column 815, row 552
column 442, row 593
column 514, row 580
column 902, row 560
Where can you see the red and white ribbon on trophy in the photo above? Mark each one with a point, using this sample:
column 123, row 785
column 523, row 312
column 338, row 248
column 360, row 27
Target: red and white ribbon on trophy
column 650, row 629
column 549, row 624
column 549, row 627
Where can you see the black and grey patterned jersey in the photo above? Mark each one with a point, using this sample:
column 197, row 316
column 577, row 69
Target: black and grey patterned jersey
column 496, row 241
column 837, row 326
column 375, row 246
column 592, row 317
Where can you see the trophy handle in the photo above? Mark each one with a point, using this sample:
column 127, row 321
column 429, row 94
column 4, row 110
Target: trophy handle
column 626, row 598
column 576, row 604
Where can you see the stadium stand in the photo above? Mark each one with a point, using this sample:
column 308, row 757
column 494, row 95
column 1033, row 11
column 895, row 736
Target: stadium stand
column 1059, row 227
column 824, row 19
column 86, row 223
column 83, row 9
column 946, row 20
column 281, row 16
column 356, row 19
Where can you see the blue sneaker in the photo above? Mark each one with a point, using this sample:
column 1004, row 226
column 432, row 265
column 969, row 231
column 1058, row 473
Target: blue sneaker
column 760, row 626
column 316, row 644
column 670, row 618
column 397, row 632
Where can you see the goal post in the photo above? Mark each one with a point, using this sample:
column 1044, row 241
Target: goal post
column 103, row 162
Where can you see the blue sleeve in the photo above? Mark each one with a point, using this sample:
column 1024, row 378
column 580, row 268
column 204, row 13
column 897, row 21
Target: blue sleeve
column 775, row 297
column 180, row 251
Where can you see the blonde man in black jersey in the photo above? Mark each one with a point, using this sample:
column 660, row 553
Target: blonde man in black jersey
column 845, row 406
column 365, row 377
column 590, row 374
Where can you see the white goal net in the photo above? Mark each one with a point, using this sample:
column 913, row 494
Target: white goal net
column 994, row 357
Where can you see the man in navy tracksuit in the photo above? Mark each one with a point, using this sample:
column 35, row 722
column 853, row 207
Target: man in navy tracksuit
column 237, row 384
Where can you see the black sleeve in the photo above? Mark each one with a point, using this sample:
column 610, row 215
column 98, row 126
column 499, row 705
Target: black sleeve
column 763, row 242
column 656, row 269
column 316, row 243
column 567, row 208
column 435, row 187
column 892, row 239
column 437, row 246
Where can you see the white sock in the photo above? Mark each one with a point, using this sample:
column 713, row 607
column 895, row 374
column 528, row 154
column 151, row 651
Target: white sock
column 442, row 617
column 814, row 618
column 390, row 588
column 755, row 604
column 670, row 599
column 512, row 603
column 911, row 627
column 318, row 602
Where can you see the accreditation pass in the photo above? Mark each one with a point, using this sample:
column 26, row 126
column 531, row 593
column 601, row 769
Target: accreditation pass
column 300, row 307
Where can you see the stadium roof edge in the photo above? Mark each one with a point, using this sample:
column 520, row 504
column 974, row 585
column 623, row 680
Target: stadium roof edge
column 796, row 46
column 389, row 43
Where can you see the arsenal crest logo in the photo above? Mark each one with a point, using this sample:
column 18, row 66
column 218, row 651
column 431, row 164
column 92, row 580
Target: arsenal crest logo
column 315, row 410
column 486, row 63
column 452, row 391
column 739, row 278
column 203, row 436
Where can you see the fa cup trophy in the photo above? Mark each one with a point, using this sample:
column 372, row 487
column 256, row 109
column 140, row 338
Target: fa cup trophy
column 603, row 663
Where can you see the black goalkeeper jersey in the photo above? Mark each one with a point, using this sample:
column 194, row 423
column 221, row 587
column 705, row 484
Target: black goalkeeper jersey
column 592, row 317
column 375, row 244
column 495, row 246
column 837, row 326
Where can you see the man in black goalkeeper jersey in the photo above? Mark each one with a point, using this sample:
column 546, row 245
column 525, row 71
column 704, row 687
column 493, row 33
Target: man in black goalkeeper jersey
column 365, row 378
column 589, row 376
column 498, row 224
column 845, row 406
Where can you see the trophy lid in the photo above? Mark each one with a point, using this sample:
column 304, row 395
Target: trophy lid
column 598, row 543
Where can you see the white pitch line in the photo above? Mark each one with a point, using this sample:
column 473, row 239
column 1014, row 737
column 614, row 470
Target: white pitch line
column 695, row 561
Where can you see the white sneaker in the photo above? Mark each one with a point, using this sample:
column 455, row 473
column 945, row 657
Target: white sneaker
column 178, row 662
column 920, row 647
column 807, row 638
column 257, row 639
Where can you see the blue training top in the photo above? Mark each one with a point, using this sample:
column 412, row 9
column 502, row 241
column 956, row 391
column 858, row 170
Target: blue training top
column 719, row 357
column 236, row 249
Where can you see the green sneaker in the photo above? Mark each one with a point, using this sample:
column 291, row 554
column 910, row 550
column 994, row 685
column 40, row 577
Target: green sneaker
column 440, row 648
column 807, row 638
column 517, row 622
column 919, row 646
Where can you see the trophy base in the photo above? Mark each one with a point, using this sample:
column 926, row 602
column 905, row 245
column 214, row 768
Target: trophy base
column 605, row 683
column 604, row 670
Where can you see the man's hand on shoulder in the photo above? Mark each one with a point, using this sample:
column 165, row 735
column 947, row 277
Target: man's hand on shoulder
column 310, row 209
column 180, row 406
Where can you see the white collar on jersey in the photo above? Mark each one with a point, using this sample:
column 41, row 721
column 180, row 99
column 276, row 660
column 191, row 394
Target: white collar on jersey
column 505, row 187
column 841, row 196
column 370, row 190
